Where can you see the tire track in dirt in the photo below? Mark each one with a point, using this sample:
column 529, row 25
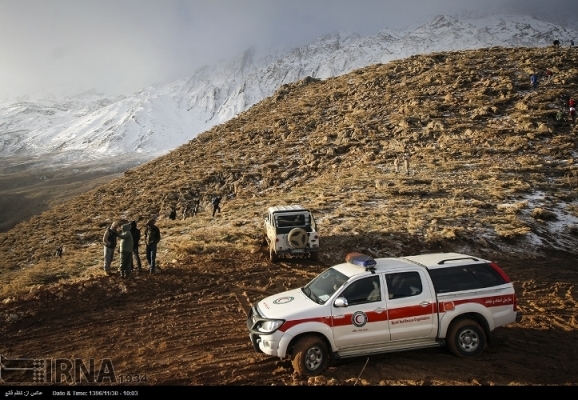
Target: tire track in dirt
column 186, row 326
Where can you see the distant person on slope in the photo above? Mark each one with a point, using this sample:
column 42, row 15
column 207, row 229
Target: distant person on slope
column 152, row 238
column 534, row 80
column 126, row 249
column 109, row 241
column 559, row 115
column 196, row 207
column 216, row 201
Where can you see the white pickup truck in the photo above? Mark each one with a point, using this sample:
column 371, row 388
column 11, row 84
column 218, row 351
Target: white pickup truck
column 369, row 306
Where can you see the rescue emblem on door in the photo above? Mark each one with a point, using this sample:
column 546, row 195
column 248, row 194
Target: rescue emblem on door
column 359, row 318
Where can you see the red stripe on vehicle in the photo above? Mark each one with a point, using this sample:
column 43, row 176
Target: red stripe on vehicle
column 412, row 311
column 493, row 301
column 372, row 316
column 401, row 312
column 290, row 324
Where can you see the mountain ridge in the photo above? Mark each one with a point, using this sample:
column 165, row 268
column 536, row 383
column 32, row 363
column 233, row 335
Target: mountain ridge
column 157, row 119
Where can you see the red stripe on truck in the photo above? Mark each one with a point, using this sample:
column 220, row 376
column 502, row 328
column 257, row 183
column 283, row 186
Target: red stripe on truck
column 402, row 312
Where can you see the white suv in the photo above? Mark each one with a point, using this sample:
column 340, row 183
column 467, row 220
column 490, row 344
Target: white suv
column 291, row 230
column 366, row 306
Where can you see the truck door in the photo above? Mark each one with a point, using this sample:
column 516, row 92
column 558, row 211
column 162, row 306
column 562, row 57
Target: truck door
column 411, row 305
column 363, row 323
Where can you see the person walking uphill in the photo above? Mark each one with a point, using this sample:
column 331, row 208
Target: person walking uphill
column 126, row 248
column 216, row 201
column 109, row 241
column 152, row 238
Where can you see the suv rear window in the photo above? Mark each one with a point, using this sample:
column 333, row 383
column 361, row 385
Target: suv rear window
column 286, row 222
column 292, row 220
column 465, row 277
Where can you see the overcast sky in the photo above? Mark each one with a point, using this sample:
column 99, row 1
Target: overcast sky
column 120, row 46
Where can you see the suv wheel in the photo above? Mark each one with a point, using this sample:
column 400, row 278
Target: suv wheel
column 310, row 356
column 466, row 338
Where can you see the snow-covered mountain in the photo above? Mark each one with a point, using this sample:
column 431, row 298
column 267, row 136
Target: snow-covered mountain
column 155, row 120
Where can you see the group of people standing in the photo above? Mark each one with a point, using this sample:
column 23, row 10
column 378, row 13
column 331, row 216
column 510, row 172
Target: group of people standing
column 127, row 236
column 568, row 103
column 192, row 208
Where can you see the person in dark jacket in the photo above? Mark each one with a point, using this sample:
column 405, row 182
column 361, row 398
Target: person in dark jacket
column 126, row 249
column 135, row 232
column 109, row 241
column 216, row 201
column 152, row 238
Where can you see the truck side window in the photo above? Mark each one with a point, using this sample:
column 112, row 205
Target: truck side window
column 465, row 277
column 365, row 290
column 403, row 284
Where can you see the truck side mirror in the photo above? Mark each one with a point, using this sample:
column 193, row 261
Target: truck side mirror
column 340, row 302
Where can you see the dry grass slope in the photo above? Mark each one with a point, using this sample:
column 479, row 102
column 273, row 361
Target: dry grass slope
column 479, row 141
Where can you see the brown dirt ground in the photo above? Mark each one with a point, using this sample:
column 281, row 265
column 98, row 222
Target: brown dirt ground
column 186, row 326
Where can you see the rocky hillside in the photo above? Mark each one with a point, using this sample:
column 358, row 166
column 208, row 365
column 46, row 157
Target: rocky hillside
column 490, row 169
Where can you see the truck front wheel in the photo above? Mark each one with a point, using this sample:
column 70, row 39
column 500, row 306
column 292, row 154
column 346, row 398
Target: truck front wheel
column 466, row 338
column 310, row 356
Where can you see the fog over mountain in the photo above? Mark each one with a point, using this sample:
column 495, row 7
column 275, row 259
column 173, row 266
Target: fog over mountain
column 119, row 47
column 159, row 118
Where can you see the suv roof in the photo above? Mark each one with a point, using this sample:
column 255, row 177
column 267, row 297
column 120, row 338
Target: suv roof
column 295, row 207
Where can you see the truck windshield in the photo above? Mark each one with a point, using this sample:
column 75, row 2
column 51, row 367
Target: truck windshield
column 321, row 288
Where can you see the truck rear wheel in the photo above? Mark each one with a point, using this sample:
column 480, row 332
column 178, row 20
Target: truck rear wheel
column 466, row 338
column 310, row 356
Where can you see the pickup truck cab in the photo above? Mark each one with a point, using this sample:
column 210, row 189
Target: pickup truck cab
column 369, row 306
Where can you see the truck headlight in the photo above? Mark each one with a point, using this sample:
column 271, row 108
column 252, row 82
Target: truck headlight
column 270, row 325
